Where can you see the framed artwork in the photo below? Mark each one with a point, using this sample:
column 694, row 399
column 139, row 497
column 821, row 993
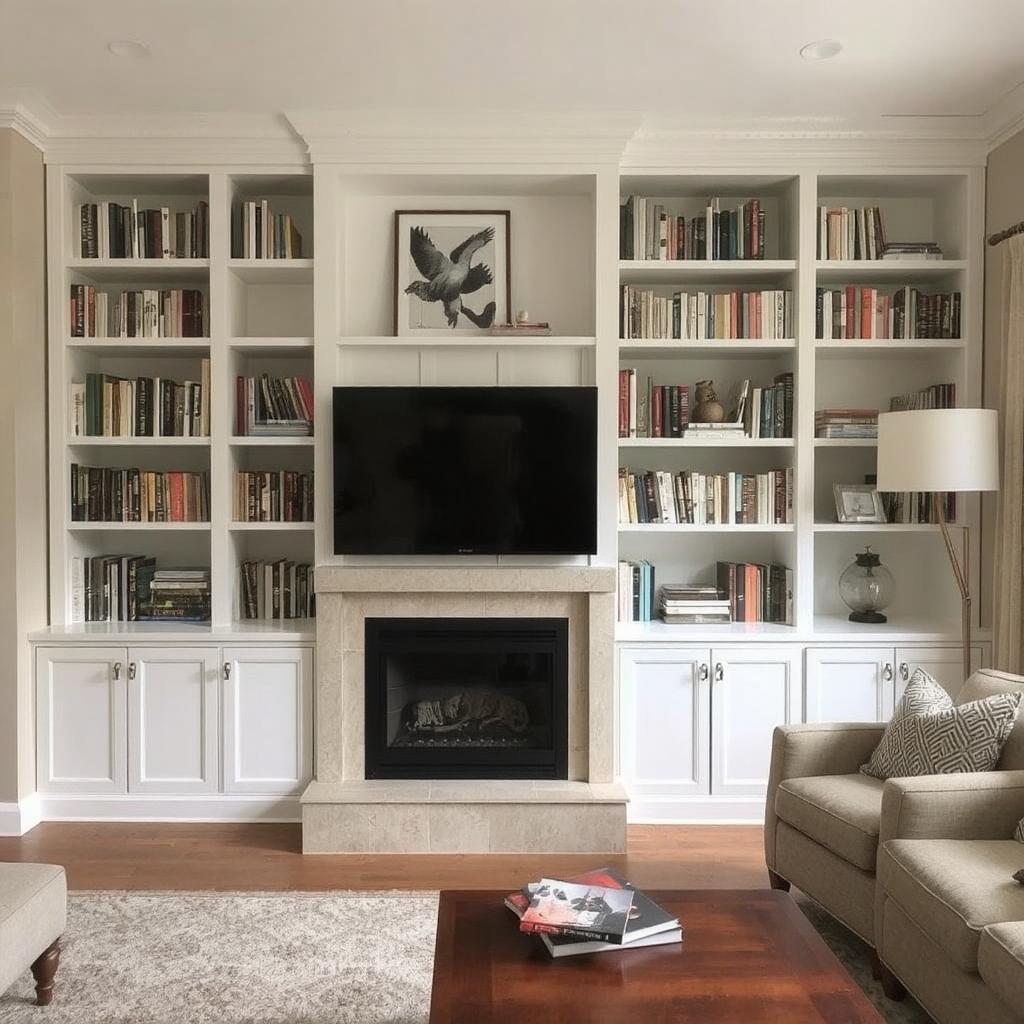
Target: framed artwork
column 451, row 271
column 858, row 503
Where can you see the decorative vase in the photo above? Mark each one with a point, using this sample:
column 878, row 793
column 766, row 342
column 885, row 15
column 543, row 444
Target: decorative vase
column 707, row 409
column 866, row 587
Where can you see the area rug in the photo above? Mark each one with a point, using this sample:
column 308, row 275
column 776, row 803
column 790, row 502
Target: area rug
column 276, row 958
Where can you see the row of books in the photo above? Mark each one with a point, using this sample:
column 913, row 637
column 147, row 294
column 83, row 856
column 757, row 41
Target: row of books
column 112, row 231
column 106, row 406
column 704, row 499
column 908, row 313
column 846, row 423
column 935, row 396
column 596, row 912
column 756, row 592
column 276, row 590
column 858, row 233
column 636, row 591
column 268, row 406
column 260, row 234
column 101, row 494
column 273, row 496
column 130, row 588
column 647, row 409
column 180, row 595
column 647, row 231
column 144, row 313
column 683, row 605
column 917, row 507
column 700, row 316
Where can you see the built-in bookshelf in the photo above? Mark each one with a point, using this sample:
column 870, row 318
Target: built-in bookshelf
column 914, row 322
column 146, row 354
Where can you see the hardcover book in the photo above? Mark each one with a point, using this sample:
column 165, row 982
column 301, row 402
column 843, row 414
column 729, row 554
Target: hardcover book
column 581, row 911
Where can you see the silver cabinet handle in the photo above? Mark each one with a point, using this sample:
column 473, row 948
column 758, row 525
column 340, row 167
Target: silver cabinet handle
column 702, row 672
column 227, row 669
column 131, row 669
column 117, row 670
column 887, row 672
column 719, row 672
column 904, row 671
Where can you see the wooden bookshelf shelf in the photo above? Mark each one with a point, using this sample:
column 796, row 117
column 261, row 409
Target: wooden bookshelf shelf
column 853, row 271
column 658, row 631
column 708, row 528
column 271, row 346
column 856, row 349
column 138, row 442
column 273, row 271
column 846, row 442
column 142, row 527
column 740, row 348
column 476, row 341
column 161, row 347
column 174, row 271
column 876, row 527
column 710, row 442
column 722, row 272
column 238, row 527
column 272, row 442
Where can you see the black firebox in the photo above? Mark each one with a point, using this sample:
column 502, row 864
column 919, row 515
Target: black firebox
column 461, row 698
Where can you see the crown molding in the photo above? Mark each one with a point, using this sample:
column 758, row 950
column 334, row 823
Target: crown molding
column 1005, row 118
column 21, row 120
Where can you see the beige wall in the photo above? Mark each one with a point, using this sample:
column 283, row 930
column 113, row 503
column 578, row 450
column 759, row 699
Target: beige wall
column 1004, row 205
column 23, row 546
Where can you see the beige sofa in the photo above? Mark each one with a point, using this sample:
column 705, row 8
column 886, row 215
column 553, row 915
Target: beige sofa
column 920, row 868
column 33, row 908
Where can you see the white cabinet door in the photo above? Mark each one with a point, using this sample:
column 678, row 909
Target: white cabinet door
column 753, row 689
column 664, row 724
column 80, row 720
column 849, row 684
column 172, row 720
column 944, row 664
column 268, row 719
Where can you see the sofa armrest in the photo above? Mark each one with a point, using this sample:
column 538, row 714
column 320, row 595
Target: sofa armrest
column 965, row 805
column 805, row 751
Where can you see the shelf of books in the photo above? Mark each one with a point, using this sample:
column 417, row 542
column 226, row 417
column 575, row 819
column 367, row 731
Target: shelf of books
column 181, row 356
column 756, row 351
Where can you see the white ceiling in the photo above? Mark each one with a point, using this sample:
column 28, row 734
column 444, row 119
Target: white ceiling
column 679, row 59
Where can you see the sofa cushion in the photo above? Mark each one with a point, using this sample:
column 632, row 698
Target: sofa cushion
column 985, row 683
column 33, row 904
column 1001, row 961
column 929, row 736
column 954, row 888
column 841, row 812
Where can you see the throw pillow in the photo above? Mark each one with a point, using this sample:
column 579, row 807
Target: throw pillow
column 1019, row 834
column 929, row 736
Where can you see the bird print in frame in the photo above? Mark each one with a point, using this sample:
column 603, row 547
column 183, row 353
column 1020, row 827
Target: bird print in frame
column 451, row 271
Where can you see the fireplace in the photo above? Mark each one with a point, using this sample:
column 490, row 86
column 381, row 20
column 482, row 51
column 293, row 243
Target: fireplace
column 466, row 698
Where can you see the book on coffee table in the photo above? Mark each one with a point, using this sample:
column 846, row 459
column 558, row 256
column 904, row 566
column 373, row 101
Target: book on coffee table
column 594, row 912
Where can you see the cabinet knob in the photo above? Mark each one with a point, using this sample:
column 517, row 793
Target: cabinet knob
column 131, row 669
column 904, row 671
column 702, row 672
column 719, row 672
column 117, row 670
column 887, row 672
column 227, row 669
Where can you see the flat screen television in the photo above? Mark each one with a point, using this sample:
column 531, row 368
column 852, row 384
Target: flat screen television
column 465, row 470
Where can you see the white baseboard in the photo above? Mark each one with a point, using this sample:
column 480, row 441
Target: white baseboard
column 18, row 818
column 696, row 810
column 212, row 808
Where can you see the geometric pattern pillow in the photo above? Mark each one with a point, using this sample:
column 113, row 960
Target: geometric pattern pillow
column 929, row 736
column 1019, row 834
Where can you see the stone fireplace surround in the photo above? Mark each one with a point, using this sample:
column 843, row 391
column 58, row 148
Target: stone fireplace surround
column 343, row 812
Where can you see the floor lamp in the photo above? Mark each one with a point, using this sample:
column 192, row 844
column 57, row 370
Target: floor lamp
column 942, row 451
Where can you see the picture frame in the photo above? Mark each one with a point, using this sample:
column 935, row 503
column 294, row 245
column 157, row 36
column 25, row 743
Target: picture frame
column 438, row 297
column 858, row 503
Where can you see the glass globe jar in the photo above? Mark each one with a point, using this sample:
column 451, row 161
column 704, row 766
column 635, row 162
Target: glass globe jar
column 866, row 587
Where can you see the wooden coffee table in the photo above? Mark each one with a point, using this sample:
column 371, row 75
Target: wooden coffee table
column 746, row 957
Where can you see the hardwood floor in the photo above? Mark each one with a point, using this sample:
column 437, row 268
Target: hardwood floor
column 268, row 857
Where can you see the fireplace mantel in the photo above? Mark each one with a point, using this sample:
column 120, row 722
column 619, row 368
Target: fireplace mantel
column 571, row 579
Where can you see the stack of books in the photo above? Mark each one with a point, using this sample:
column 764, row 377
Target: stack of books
column 596, row 912
column 273, row 496
column 276, row 590
column 147, row 313
column 648, row 232
column 683, row 605
column 756, row 592
column 107, row 495
column 268, row 406
column 110, row 588
column 696, row 316
column 729, row 430
column 911, row 251
column 850, row 423
column 636, row 592
column 112, row 231
column 181, row 595
column 521, row 329
column 660, row 496
column 260, row 234
column 106, row 406
column 866, row 313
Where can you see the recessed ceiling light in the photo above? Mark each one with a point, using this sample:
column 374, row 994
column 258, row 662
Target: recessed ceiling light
column 128, row 48
column 821, row 49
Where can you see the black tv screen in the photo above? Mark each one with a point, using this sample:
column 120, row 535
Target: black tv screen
column 465, row 470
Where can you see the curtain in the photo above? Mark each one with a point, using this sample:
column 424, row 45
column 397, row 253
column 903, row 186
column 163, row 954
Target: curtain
column 1008, row 605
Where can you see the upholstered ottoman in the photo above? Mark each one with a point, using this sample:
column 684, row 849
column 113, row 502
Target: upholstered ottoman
column 33, row 908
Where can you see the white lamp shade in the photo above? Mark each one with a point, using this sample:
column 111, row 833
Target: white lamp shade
column 938, row 450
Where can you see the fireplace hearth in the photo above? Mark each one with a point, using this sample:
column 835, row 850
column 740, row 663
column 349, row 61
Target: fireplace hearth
column 466, row 698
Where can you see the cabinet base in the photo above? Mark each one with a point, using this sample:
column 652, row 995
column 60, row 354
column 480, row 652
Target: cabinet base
column 696, row 810
column 238, row 807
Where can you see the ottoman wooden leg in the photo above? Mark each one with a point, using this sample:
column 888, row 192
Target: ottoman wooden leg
column 43, row 971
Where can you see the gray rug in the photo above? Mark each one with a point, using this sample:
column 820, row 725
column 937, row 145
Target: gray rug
column 276, row 958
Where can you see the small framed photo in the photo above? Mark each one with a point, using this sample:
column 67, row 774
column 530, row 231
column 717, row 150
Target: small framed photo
column 452, row 271
column 858, row 503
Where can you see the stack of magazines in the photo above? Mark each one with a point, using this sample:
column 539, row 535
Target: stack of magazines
column 596, row 912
